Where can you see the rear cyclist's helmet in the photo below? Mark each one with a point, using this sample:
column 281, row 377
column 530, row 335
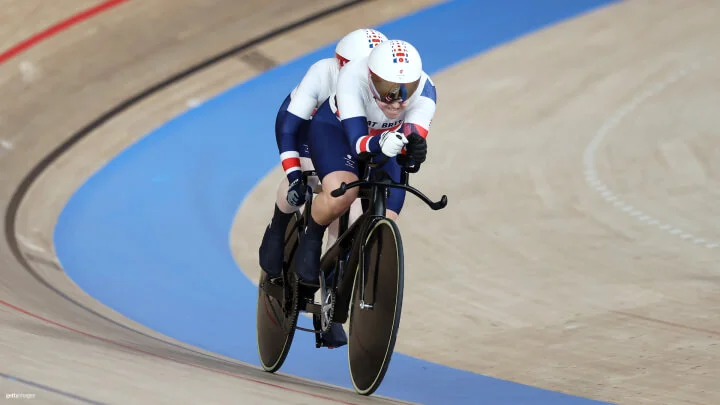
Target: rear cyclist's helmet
column 358, row 44
column 395, row 70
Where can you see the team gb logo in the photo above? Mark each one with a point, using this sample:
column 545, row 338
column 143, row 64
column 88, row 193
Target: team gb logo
column 399, row 52
column 373, row 38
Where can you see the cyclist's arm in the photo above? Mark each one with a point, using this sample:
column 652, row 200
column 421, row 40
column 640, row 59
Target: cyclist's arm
column 302, row 103
column 421, row 112
column 351, row 110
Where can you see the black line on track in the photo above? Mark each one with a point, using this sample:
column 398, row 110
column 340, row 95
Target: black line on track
column 34, row 173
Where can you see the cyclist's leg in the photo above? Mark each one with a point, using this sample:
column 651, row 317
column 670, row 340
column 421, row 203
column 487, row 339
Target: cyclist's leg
column 333, row 232
column 355, row 211
column 396, row 199
column 327, row 208
column 334, row 227
column 271, row 247
column 334, row 163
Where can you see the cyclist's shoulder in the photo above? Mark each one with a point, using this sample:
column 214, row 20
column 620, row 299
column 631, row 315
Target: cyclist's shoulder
column 324, row 65
column 323, row 73
column 427, row 87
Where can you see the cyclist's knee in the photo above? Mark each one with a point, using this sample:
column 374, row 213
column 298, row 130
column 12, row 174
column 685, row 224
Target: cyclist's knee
column 338, row 205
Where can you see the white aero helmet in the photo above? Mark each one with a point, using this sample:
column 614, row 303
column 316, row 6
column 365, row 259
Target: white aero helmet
column 358, row 44
column 395, row 69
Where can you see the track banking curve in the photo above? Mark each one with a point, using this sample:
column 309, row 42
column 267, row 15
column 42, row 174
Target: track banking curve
column 29, row 307
column 27, row 182
column 189, row 199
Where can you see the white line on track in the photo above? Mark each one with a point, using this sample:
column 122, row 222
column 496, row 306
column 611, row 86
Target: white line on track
column 591, row 174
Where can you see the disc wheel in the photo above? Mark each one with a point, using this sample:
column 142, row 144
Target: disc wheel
column 276, row 319
column 373, row 331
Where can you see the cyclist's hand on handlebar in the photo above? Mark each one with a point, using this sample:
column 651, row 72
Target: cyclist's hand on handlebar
column 417, row 148
column 297, row 193
column 392, row 143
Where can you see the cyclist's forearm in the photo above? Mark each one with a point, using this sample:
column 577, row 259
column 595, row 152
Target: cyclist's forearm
column 286, row 138
column 356, row 130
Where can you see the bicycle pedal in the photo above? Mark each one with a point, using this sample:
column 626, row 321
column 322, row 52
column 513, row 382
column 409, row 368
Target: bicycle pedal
column 320, row 343
column 307, row 290
column 318, row 337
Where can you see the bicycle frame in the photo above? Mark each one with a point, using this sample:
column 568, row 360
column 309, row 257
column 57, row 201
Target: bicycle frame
column 347, row 250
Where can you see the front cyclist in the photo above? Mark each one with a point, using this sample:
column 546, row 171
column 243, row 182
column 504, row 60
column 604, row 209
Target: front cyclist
column 291, row 126
column 382, row 103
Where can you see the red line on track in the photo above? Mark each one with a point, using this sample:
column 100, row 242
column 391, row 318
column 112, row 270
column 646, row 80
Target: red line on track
column 133, row 348
column 24, row 46
column 57, row 28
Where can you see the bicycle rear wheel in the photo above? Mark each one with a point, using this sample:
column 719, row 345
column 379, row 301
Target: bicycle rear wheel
column 276, row 319
column 373, row 330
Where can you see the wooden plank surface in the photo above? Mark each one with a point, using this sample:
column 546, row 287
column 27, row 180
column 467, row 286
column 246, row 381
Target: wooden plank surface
column 535, row 273
column 530, row 274
column 74, row 77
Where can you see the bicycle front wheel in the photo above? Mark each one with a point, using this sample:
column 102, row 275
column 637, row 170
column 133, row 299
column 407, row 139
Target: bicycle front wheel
column 376, row 305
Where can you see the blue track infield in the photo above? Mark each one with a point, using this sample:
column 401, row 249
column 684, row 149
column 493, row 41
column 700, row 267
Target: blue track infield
column 148, row 234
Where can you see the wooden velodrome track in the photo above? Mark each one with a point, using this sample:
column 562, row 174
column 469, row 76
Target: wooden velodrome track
column 577, row 254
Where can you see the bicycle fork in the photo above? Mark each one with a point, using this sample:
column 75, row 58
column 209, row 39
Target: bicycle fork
column 363, row 305
column 379, row 196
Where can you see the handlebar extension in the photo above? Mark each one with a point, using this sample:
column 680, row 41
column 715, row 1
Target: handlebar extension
column 435, row 205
